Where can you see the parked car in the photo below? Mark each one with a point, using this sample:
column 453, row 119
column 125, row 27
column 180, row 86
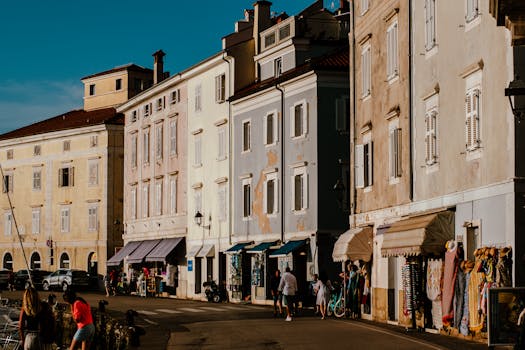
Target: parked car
column 66, row 278
column 4, row 278
column 22, row 278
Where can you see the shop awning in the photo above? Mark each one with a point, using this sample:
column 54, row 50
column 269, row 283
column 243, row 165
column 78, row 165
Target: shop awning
column 140, row 253
column 116, row 259
column 261, row 247
column 237, row 248
column 419, row 235
column 288, row 248
column 354, row 244
column 191, row 252
column 207, row 251
column 163, row 249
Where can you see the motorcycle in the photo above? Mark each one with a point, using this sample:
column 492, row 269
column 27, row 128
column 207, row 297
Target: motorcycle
column 213, row 292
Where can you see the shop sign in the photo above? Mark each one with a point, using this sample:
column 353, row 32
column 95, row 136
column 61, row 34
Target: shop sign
column 505, row 305
column 190, row 265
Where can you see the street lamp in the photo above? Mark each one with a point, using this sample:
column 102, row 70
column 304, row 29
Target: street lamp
column 198, row 218
column 516, row 88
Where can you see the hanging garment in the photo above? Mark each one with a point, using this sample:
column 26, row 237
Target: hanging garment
column 459, row 297
column 504, row 268
column 449, row 281
column 474, row 296
column 407, row 290
column 434, row 276
column 463, row 327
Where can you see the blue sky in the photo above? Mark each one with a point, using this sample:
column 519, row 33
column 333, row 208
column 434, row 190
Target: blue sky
column 47, row 46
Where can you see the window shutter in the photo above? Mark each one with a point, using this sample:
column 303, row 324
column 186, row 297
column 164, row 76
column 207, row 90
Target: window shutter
column 304, row 185
column 370, row 164
column 59, row 178
column 292, row 121
column 72, row 176
column 359, row 166
column 398, row 145
column 468, row 121
column 475, row 119
column 297, row 187
column 304, row 113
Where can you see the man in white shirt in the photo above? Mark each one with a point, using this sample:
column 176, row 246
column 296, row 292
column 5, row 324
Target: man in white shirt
column 288, row 286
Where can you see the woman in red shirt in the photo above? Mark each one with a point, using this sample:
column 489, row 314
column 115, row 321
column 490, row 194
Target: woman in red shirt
column 81, row 312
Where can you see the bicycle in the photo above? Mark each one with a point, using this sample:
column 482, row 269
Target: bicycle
column 336, row 304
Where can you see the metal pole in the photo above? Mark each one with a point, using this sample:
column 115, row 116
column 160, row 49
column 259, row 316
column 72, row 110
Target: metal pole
column 16, row 227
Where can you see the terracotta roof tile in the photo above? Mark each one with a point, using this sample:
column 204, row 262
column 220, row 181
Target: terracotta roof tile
column 127, row 67
column 69, row 120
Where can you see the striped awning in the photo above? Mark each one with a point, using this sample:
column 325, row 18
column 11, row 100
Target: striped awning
column 354, row 244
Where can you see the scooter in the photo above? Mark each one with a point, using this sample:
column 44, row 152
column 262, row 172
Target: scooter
column 213, row 292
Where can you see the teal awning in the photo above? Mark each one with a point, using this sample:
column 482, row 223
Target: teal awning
column 237, row 248
column 288, row 248
column 261, row 247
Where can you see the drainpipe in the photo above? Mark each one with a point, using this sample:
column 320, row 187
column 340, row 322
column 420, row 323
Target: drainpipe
column 353, row 191
column 410, row 100
column 282, row 160
column 230, row 228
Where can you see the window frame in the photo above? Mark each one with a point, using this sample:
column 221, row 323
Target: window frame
column 146, row 146
column 277, row 67
column 65, row 219
column 221, row 142
column 159, row 184
column 246, row 186
column 395, row 150
column 35, row 221
column 302, row 174
column 133, row 197
column 8, row 223
column 70, row 178
column 93, row 175
column 37, row 180
column 173, row 194
column 366, row 69
column 220, row 88
column 134, row 150
column 197, row 150
column 304, row 120
column 392, row 42
column 275, row 128
column 93, row 218
column 198, row 98
column 173, row 137
column 145, row 200
column 364, row 160
column 246, row 135
column 8, row 182
column 430, row 25
column 271, row 177
column 222, row 201
column 159, row 141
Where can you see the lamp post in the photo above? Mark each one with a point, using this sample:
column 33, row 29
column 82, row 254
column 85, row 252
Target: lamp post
column 516, row 88
column 198, row 218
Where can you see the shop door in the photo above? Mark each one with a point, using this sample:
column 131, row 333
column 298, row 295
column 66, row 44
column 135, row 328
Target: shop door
column 299, row 271
column 392, row 289
column 198, row 275
column 270, row 271
column 246, row 262
column 222, row 270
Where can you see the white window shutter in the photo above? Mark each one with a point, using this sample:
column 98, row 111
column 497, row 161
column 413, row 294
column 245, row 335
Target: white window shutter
column 265, row 196
column 475, row 118
column 305, row 191
column 398, row 159
column 292, row 121
column 371, row 164
column 468, row 121
column 359, row 167
column 305, row 118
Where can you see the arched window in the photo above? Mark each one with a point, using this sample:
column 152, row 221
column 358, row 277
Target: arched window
column 92, row 263
column 36, row 263
column 64, row 261
column 8, row 261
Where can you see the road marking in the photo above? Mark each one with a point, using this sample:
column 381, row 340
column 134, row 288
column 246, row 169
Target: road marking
column 169, row 311
column 211, row 308
column 234, row 308
column 149, row 313
column 190, row 309
column 150, row 322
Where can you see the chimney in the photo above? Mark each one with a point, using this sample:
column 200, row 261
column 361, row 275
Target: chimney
column 261, row 21
column 158, row 66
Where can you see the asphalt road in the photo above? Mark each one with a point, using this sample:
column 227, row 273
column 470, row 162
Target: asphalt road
column 182, row 324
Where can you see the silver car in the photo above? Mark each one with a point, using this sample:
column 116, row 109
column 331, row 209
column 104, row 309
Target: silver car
column 66, row 278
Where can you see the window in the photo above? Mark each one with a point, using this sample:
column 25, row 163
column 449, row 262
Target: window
column 221, row 150
column 222, row 202
column 173, row 97
column 246, row 136
column 220, row 88
column 197, row 159
column 299, row 189
column 37, row 179
column 392, row 69
column 365, row 5
column 35, row 221
column 270, row 129
column 159, row 104
column 133, row 195
column 277, row 67
column 299, row 120
column 8, row 261
column 93, row 172
column 431, row 137
column 66, row 176
column 158, row 197
column 133, row 117
column 364, row 164
column 246, row 198
column 66, row 145
column 36, row 263
column 9, row 154
column 269, row 39
column 118, row 84
column 430, row 24
column 37, row 150
column 173, row 195
column 395, row 152
column 64, row 261
column 134, row 150
column 145, row 200
column 145, row 146
column 472, row 10
column 159, row 131
column 178, row 95
column 93, row 141
column 64, row 219
column 92, row 90
column 137, row 84
column 366, row 71
column 7, row 183
column 472, row 119
column 284, row 32
column 270, row 194
column 198, row 101
column 341, row 113
column 173, row 137
column 8, row 223
column 92, row 218
column 147, row 109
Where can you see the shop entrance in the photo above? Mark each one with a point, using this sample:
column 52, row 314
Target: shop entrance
column 198, row 275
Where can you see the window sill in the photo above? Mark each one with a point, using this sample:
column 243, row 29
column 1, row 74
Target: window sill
column 431, row 52
column 303, row 211
column 474, row 154
column 469, row 25
column 393, row 79
column 367, row 189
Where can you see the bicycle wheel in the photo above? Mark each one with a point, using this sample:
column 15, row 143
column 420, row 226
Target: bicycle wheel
column 339, row 308
column 330, row 308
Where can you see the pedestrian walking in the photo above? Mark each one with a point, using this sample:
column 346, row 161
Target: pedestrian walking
column 36, row 324
column 113, row 278
column 288, row 286
column 81, row 312
column 107, row 284
column 323, row 294
column 275, row 279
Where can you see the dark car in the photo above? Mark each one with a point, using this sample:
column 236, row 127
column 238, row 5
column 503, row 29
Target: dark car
column 22, row 278
column 65, row 279
column 4, row 278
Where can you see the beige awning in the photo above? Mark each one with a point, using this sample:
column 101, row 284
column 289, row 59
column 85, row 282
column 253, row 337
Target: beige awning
column 354, row 244
column 419, row 235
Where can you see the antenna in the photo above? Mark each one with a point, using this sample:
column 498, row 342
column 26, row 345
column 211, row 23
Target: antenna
column 16, row 227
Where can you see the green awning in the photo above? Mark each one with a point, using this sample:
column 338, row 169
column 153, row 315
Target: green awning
column 288, row 248
column 261, row 247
